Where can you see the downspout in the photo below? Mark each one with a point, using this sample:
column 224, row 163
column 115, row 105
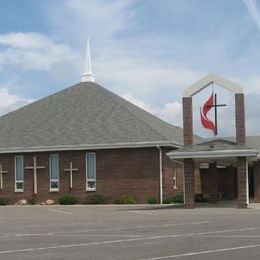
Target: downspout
column 161, row 173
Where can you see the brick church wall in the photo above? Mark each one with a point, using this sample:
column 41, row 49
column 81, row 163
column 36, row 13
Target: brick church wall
column 169, row 168
column 227, row 182
column 119, row 172
column 168, row 176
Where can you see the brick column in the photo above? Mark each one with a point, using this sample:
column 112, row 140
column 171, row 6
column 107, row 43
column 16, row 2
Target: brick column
column 213, row 183
column 187, row 121
column 242, row 182
column 257, row 181
column 189, row 183
column 240, row 118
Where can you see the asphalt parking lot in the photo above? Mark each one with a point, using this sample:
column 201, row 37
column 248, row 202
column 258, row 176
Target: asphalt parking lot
column 128, row 232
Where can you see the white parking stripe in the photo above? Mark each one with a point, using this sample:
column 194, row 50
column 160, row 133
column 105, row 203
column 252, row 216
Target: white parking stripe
column 53, row 225
column 60, row 211
column 100, row 230
column 141, row 212
column 131, row 240
column 203, row 252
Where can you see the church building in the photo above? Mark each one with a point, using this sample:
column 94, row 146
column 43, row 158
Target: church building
column 85, row 141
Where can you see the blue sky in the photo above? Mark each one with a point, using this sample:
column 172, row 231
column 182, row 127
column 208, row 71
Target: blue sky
column 146, row 51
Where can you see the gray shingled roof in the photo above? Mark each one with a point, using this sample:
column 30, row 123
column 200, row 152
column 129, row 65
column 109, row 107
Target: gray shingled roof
column 251, row 141
column 214, row 145
column 83, row 114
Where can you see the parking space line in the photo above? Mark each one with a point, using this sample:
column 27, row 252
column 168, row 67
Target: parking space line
column 54, row 225
column 234, row 236
column 138, row 239
column 203, row 252
column 100, row 230
column 60, row 211
column 85, row 235
column 141, row 212
column 155, row 226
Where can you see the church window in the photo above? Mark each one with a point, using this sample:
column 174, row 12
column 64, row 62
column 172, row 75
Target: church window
column 54, row 172
column 19, row 173
column 91, row 171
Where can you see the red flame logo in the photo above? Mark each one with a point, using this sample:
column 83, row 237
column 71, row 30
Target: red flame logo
column 205, row 121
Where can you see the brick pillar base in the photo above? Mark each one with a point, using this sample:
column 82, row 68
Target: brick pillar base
column 257, row 181
column 213, row 183
column 242, row 182
column 189, row 183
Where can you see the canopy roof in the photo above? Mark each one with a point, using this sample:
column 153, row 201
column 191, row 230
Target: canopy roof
column 214, row 149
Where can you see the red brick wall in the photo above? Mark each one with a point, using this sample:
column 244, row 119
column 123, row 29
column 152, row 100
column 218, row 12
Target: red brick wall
column 227, row 182
column 240, row 119
column 119, row 172
column 189, row 178
column 187, row 121
column 241, row 182
column 168, row 173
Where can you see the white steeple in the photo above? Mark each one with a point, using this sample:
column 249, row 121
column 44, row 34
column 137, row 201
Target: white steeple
column 87, row 75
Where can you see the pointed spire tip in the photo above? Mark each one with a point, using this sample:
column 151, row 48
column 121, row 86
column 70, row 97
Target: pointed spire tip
column 87, row 75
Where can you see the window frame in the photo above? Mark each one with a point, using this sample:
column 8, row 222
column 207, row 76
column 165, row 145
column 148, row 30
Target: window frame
column 95, row 172
column 15, row 170
column 50, row 173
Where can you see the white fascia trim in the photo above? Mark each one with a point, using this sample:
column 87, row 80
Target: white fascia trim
column 214, row 154
column 207, row 80
column 88, row 147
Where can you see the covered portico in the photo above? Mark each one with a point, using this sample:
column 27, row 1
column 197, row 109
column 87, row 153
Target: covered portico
column 216, row 153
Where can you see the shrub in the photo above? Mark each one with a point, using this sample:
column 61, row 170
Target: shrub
column 200, row 198
column 32, row 201
column 178, row 198
column 152, row 201
column 3, row 201
column 68, row 200
column 167, row 201
column 126, row 200
column 96, row 199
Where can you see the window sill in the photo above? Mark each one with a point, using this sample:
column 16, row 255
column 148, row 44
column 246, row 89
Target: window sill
column 90, row 190
column 18, row 191
column 54, row 190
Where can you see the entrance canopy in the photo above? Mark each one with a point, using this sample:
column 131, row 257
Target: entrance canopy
column 214, row 150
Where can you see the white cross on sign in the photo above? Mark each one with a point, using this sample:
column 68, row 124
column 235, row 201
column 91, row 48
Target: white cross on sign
column 1, row 176
column 71, row 170
column 35, row 168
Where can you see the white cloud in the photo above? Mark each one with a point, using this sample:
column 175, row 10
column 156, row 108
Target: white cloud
column 252, row 84
column 35, row 52
column 9, row 102
column 171, row 112
column 138, row 102
column 143, row 75
column 99, row 18
column 253, row 11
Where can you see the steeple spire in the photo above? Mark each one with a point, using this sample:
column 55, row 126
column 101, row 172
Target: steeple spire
column 87, row 75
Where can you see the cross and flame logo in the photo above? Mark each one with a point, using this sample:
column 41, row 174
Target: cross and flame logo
column 205, row 121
